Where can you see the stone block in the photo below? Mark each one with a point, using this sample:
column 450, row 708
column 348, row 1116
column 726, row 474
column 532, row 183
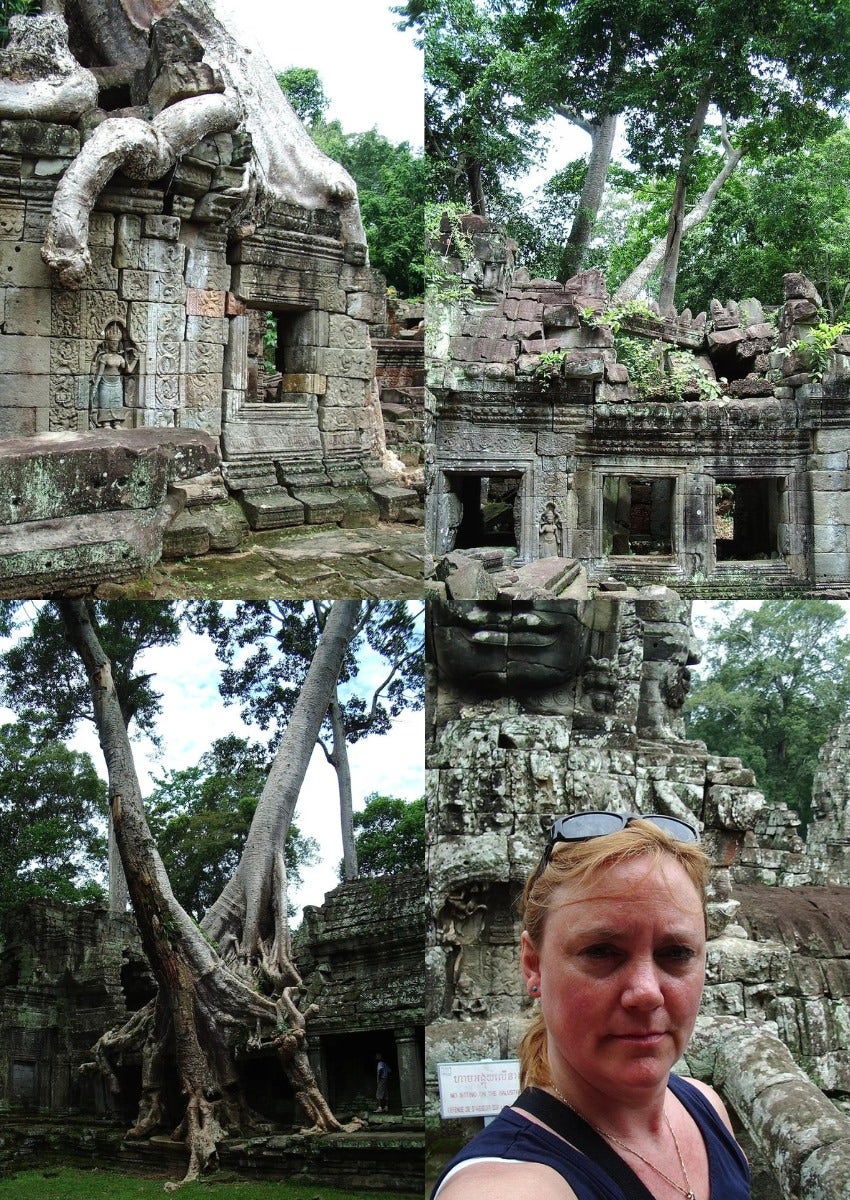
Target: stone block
column 344, row 441
column 320, row 507
column 207, row 270
column 720, row 338
column 29, row 391
column 21, row 265
column 12, row 213
column 152, row 286
column 204, row 303
column 158, row 255
column 346, row 333
column 309, row 383
column 351, row 364
column 27, row 311
column 336, row 420
column 128, row 236
column 201, row 358
column 159, row 226
column 271, row 509
column 346, row 393
column 39, row 139
column 24, row 355
column 310, row 328
column 207, row 329
column 365, row 306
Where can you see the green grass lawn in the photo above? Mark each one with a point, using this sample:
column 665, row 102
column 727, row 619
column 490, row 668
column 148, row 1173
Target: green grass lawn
column 66, row 1183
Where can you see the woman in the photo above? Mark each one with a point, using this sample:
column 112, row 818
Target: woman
column 614, row 950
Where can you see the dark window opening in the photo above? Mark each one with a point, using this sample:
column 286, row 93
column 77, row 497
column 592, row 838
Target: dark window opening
column 24, row 1079
column 351, row 1063
column 137, row 983
column 637, row 515
column 489, row 510
column 279, row 345
column 746, row 515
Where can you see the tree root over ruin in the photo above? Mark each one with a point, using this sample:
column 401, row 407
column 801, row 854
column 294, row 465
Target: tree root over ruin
column 142, row 150
column 206, row 1003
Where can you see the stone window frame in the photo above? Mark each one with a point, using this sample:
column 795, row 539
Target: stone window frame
column 474, row 466
column 743, row 472
column 636, row 469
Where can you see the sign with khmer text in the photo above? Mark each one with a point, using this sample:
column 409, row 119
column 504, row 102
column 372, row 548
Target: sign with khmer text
column 477, row 1089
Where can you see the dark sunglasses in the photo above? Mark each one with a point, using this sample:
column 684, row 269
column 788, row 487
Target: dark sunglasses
column 581, row 827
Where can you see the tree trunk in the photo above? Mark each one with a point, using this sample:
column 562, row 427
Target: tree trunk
column 241, row 911
column 339, row 759
column 636, row 282
column 206, row 1001
column 478, row 201
column 675, row 224
column 602, row 134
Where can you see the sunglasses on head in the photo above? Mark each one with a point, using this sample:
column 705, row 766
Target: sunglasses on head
column 581, row 827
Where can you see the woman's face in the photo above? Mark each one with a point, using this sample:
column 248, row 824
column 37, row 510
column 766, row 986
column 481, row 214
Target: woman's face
column 620, row 972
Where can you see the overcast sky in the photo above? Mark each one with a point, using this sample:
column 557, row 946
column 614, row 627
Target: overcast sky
column 371, row 72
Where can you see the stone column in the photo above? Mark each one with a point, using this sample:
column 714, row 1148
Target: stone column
column 411, row 1071
column 318, row 1061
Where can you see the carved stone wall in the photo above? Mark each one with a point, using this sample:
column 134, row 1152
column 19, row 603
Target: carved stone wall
column 361, row 957
column 512, row 746
column 720, row 469
column 200, row 308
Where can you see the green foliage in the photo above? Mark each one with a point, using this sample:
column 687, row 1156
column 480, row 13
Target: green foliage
column 815, row 349
column 774, row 681
column 305, row 92
column 391, row 187
column 200, row 817
column 479, row 125
column 778, row 213
column 52, row 810
column 11, row 8
column 43, row 681
column 59, row 1182
column 389, row 836
column 446, row 240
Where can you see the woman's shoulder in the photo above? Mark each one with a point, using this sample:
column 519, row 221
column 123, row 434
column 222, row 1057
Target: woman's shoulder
column 492, row 1179
column 711, row 1096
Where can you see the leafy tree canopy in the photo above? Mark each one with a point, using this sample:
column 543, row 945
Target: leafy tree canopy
column 52, row 808
column 774, row 681
column 390, row 835
column 390, row 182
column 306, row 94
column 200, row 818
column 43, row 682
column 267, row 646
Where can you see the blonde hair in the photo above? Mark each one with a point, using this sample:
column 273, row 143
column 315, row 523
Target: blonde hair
column 575, row 863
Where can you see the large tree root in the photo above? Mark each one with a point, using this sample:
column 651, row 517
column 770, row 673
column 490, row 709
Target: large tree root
column 142, row 150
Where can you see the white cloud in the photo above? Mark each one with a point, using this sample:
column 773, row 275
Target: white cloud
column 371, row 71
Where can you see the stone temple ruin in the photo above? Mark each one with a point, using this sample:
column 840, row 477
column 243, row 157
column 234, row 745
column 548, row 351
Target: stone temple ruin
column 185, row 306
column 67, row 974
column 541, row 708
column 705, row 453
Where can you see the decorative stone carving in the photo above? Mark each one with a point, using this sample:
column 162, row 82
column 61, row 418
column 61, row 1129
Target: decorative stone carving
column 115, row 361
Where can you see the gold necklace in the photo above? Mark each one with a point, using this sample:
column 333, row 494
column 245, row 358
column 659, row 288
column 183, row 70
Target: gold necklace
column 686, row 1191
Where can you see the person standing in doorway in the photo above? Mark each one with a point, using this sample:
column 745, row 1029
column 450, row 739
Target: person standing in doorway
column 383, row 1082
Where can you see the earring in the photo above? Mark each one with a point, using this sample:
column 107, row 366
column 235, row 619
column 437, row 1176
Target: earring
column 535, row 988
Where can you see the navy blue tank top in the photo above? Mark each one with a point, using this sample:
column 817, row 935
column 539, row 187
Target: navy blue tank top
column 513, row 1136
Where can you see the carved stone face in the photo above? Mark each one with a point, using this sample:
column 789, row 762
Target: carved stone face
column 511, row 646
